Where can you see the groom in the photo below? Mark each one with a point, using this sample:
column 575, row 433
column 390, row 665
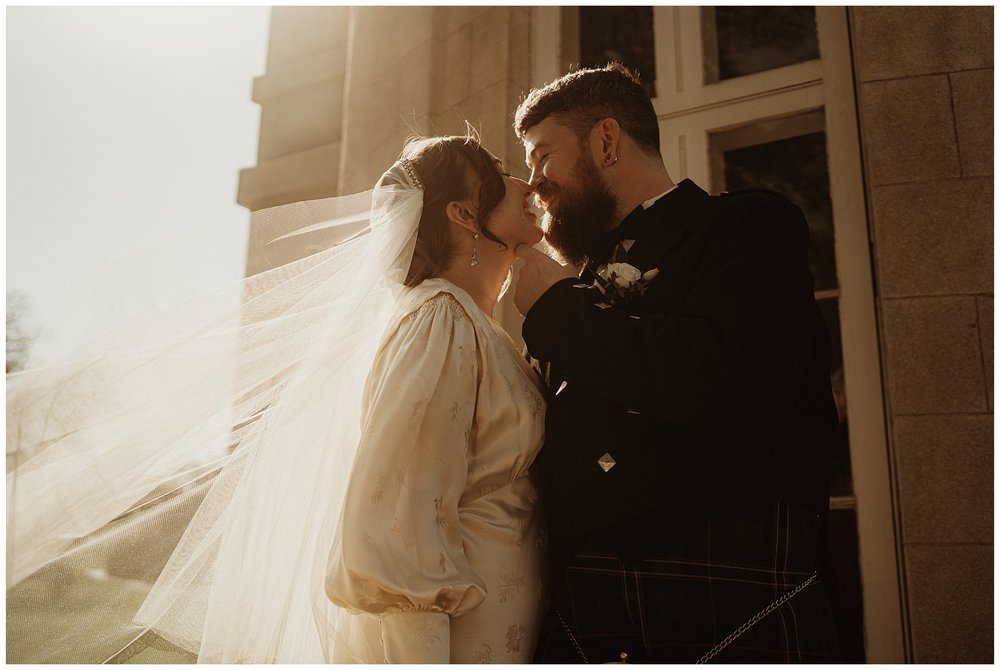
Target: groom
column 685, row 470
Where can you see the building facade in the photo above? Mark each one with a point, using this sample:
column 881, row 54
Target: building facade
column 877, row 121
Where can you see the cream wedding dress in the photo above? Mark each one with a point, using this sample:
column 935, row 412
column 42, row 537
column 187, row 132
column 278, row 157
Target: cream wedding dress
column 441, row 541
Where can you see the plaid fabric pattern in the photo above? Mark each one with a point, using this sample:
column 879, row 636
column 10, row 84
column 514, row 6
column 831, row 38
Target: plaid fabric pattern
column 676, row 604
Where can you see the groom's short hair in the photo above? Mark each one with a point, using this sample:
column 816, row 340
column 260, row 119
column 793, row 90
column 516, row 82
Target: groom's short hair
column 584, row 97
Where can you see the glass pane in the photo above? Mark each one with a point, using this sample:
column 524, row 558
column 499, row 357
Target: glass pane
column 623, row 34
column 795, row 167
column 841, row 484
column 754, row 39
column 843, row 582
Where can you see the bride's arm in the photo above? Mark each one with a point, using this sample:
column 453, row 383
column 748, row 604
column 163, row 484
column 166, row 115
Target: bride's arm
column 399, row 554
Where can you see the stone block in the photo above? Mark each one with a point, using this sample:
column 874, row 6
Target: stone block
column 300, row 119
column 972, row 92
column 908, row 130
column 892, row 42
column 416, row 86
column 304, row 175
column 934, row 237
column 374, row 112
column 490, row 42
column 985, row 305
column 453, row 73
column 385, row 152
column 515, row 150
column 298, row 32
column 489, row 111
column 455, row 18
column 945, row 472
column 950, row 589
column 932, row 353
column 519, row 48
column 397, row 30
column 315, row 70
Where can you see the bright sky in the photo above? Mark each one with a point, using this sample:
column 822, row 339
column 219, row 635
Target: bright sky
column 126, row 126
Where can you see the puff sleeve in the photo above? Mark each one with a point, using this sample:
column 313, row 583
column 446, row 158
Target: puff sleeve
column 400, row 556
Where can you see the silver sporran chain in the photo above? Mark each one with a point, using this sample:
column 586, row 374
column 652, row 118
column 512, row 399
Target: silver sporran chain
column 750, row 623
column 753, row 620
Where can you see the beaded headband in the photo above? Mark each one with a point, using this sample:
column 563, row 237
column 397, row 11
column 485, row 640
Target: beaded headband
column 411, row 172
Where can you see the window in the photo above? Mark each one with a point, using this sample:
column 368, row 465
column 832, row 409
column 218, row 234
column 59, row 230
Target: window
column 622, row 34
column 788, row 155
column 744, row 40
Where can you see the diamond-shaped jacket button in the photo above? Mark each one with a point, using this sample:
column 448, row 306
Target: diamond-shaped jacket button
column 606, row 462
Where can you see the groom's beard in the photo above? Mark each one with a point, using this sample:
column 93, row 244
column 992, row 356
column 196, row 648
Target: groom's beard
column 579, row 218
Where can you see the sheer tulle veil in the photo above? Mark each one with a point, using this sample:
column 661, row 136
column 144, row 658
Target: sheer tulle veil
column 173, row 489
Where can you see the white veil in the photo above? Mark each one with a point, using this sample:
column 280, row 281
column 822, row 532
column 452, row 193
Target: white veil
column 207, row 449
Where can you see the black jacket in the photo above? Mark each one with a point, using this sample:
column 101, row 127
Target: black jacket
column 710, row 389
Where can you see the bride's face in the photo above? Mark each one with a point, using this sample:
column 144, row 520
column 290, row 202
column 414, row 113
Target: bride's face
column 513, row 221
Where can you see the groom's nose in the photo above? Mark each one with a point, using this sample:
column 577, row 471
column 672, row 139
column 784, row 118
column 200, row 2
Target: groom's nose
column 535, row 178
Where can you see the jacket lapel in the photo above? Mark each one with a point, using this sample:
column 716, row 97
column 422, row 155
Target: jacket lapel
column 664, row 224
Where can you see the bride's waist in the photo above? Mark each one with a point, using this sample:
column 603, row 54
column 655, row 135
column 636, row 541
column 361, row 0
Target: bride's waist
column 487, row 499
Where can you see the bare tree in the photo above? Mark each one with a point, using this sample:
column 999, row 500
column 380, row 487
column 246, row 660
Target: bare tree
column 19, row 338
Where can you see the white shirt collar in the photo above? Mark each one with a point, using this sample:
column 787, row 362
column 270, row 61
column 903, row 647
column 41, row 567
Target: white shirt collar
column 649, row 203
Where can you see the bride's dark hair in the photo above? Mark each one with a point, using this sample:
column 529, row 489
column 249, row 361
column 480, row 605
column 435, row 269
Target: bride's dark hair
column 451, row 168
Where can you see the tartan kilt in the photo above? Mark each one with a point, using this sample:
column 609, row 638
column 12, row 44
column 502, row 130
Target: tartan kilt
column 674, row 605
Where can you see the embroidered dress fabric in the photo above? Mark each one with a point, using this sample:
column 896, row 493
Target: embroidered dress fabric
column 174, row 490
column 440, row 540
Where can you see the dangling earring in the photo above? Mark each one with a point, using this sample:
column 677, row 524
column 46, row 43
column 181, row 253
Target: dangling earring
column 475, row 252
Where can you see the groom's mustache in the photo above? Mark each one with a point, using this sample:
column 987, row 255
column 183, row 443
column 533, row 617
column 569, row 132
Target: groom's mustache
column 544, row 192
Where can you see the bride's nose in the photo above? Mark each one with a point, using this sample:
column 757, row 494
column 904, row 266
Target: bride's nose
column 526, row 188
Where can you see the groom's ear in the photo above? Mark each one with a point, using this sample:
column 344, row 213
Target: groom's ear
column 609, row 134
column 461, row 213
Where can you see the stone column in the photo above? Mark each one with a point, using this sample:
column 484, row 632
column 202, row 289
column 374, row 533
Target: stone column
column 301, row 97
column 925, row 84
column 482, row 70
column 387, row 91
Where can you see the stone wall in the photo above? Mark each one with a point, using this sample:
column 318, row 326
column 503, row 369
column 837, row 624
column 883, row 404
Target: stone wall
column 346, row 86
column 925, row 96
column 426, row 71
column 301, row 100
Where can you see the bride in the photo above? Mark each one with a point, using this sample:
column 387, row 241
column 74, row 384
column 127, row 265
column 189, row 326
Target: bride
column 338, row 470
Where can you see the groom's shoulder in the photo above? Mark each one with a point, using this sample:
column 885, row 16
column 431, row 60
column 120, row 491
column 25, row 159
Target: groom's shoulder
column 754, row 202
column 757, row 192
column 742, row 212
column 751, row 196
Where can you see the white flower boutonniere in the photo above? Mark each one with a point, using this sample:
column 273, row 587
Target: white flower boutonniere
column 620, row 282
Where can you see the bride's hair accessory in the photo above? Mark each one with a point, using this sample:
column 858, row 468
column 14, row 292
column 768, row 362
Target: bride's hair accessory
column 411, row 172
column 475, row 252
